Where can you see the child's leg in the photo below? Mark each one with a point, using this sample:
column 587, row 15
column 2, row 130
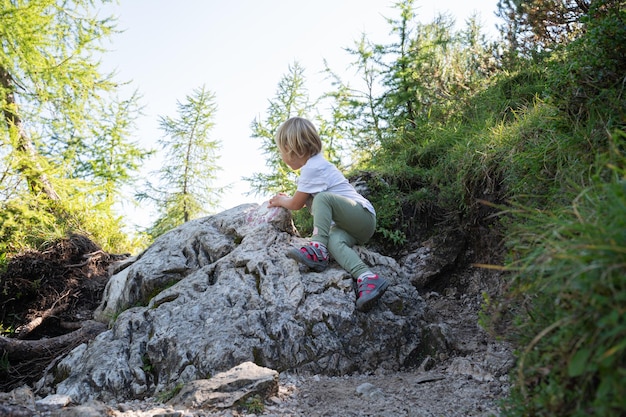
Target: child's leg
column 370, row 286
column 353, row 224
column 345, row 213
column 340, row 245
column 315, row 254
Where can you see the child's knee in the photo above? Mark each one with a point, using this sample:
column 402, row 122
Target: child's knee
column 338, row 240
column 320, row 199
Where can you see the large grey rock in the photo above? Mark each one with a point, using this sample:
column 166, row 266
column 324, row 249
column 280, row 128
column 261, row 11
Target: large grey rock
column 219, row 291
column 228, row 388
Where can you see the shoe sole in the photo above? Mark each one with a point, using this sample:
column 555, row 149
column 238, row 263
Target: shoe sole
column 374, row 296
column 296, row 255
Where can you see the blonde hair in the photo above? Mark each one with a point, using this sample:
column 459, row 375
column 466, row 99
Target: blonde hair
column 298, row 137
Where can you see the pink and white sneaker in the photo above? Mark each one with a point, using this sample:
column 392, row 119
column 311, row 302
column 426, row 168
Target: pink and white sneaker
column 314, row 255
column 370, row 288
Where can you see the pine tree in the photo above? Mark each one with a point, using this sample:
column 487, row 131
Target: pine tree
column 538, row 26
column 64, row 137
column 185, row 190
column 291, row 100
column 422, row 76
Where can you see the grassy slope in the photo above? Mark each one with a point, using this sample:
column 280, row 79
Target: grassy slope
column 544, row 145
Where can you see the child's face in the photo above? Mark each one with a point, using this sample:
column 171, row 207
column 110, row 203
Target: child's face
column 294, row 162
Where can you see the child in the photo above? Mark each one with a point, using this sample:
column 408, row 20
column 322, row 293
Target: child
column 341, row 216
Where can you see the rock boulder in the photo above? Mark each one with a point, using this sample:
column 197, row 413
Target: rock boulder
column 219, row 291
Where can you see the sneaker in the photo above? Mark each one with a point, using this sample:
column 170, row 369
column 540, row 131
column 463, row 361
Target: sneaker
column 371, row 288
column 313, row 255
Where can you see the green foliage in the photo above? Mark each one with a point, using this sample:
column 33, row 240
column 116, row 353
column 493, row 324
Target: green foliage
column 30, row 222
column 165, row 396
column 588, row 74
column 303, row 220
column 574, row 262
column 3, row 262
column 61, row 373
column 22, row 226
column 105, row 156
column 64, row 136
column 253, row 405
column 5, row 365
column 389, row 222
column 438, row 130
column 156, row 291
column 422, row 78
column 185, row 188
column 410, row 111
column 533, row 27
column 291, row 100
column 146, row 366
column 533, row 142
column 9, row 330
column 567, row 243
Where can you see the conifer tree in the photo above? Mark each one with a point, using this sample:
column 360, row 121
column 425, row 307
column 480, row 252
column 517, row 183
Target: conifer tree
column 64, row 133
column 185, row 189
column 291, row 100
column 420, row 77
column 538, row 26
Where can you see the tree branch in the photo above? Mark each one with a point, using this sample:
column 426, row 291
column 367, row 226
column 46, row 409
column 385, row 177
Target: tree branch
column 36, row 179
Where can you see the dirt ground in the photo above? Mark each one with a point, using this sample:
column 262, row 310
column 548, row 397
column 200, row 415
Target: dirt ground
column 468, row 379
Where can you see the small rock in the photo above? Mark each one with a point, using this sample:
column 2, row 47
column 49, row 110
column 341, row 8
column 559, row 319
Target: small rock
column 89, row 409
column 53, row 402
column 226, row 388
column 370, row 391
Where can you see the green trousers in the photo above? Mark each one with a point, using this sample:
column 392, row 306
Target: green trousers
column 339, row 223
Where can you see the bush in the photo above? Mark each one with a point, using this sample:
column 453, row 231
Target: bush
column 30, row 221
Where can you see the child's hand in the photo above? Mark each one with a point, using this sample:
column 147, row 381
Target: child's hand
column 276, row 200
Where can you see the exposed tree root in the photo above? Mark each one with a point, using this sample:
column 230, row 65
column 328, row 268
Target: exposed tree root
column 18, row 350
column 47, row 299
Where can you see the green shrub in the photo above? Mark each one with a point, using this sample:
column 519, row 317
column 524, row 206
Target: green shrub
column 253, row 405
column 30, row 221
column 165, row 396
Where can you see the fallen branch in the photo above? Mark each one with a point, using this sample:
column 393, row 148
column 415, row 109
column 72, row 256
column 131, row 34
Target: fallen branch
column 26, row 329
column 88, row 257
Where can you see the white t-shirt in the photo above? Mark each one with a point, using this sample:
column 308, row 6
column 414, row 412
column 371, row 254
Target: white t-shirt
column 319, row 175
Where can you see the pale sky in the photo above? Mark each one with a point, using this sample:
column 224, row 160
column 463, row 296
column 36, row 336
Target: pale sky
column 239, row 50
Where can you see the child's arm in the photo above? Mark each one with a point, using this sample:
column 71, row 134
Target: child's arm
column 290, row 203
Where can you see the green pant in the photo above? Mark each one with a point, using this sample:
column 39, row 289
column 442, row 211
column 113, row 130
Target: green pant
column 352, row 224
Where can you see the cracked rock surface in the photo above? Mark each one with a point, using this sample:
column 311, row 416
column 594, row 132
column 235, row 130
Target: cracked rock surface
column 219, row 291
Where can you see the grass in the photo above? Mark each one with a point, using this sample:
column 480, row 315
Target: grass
column 165, row 396
column 572, row 331
column 559, row 180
